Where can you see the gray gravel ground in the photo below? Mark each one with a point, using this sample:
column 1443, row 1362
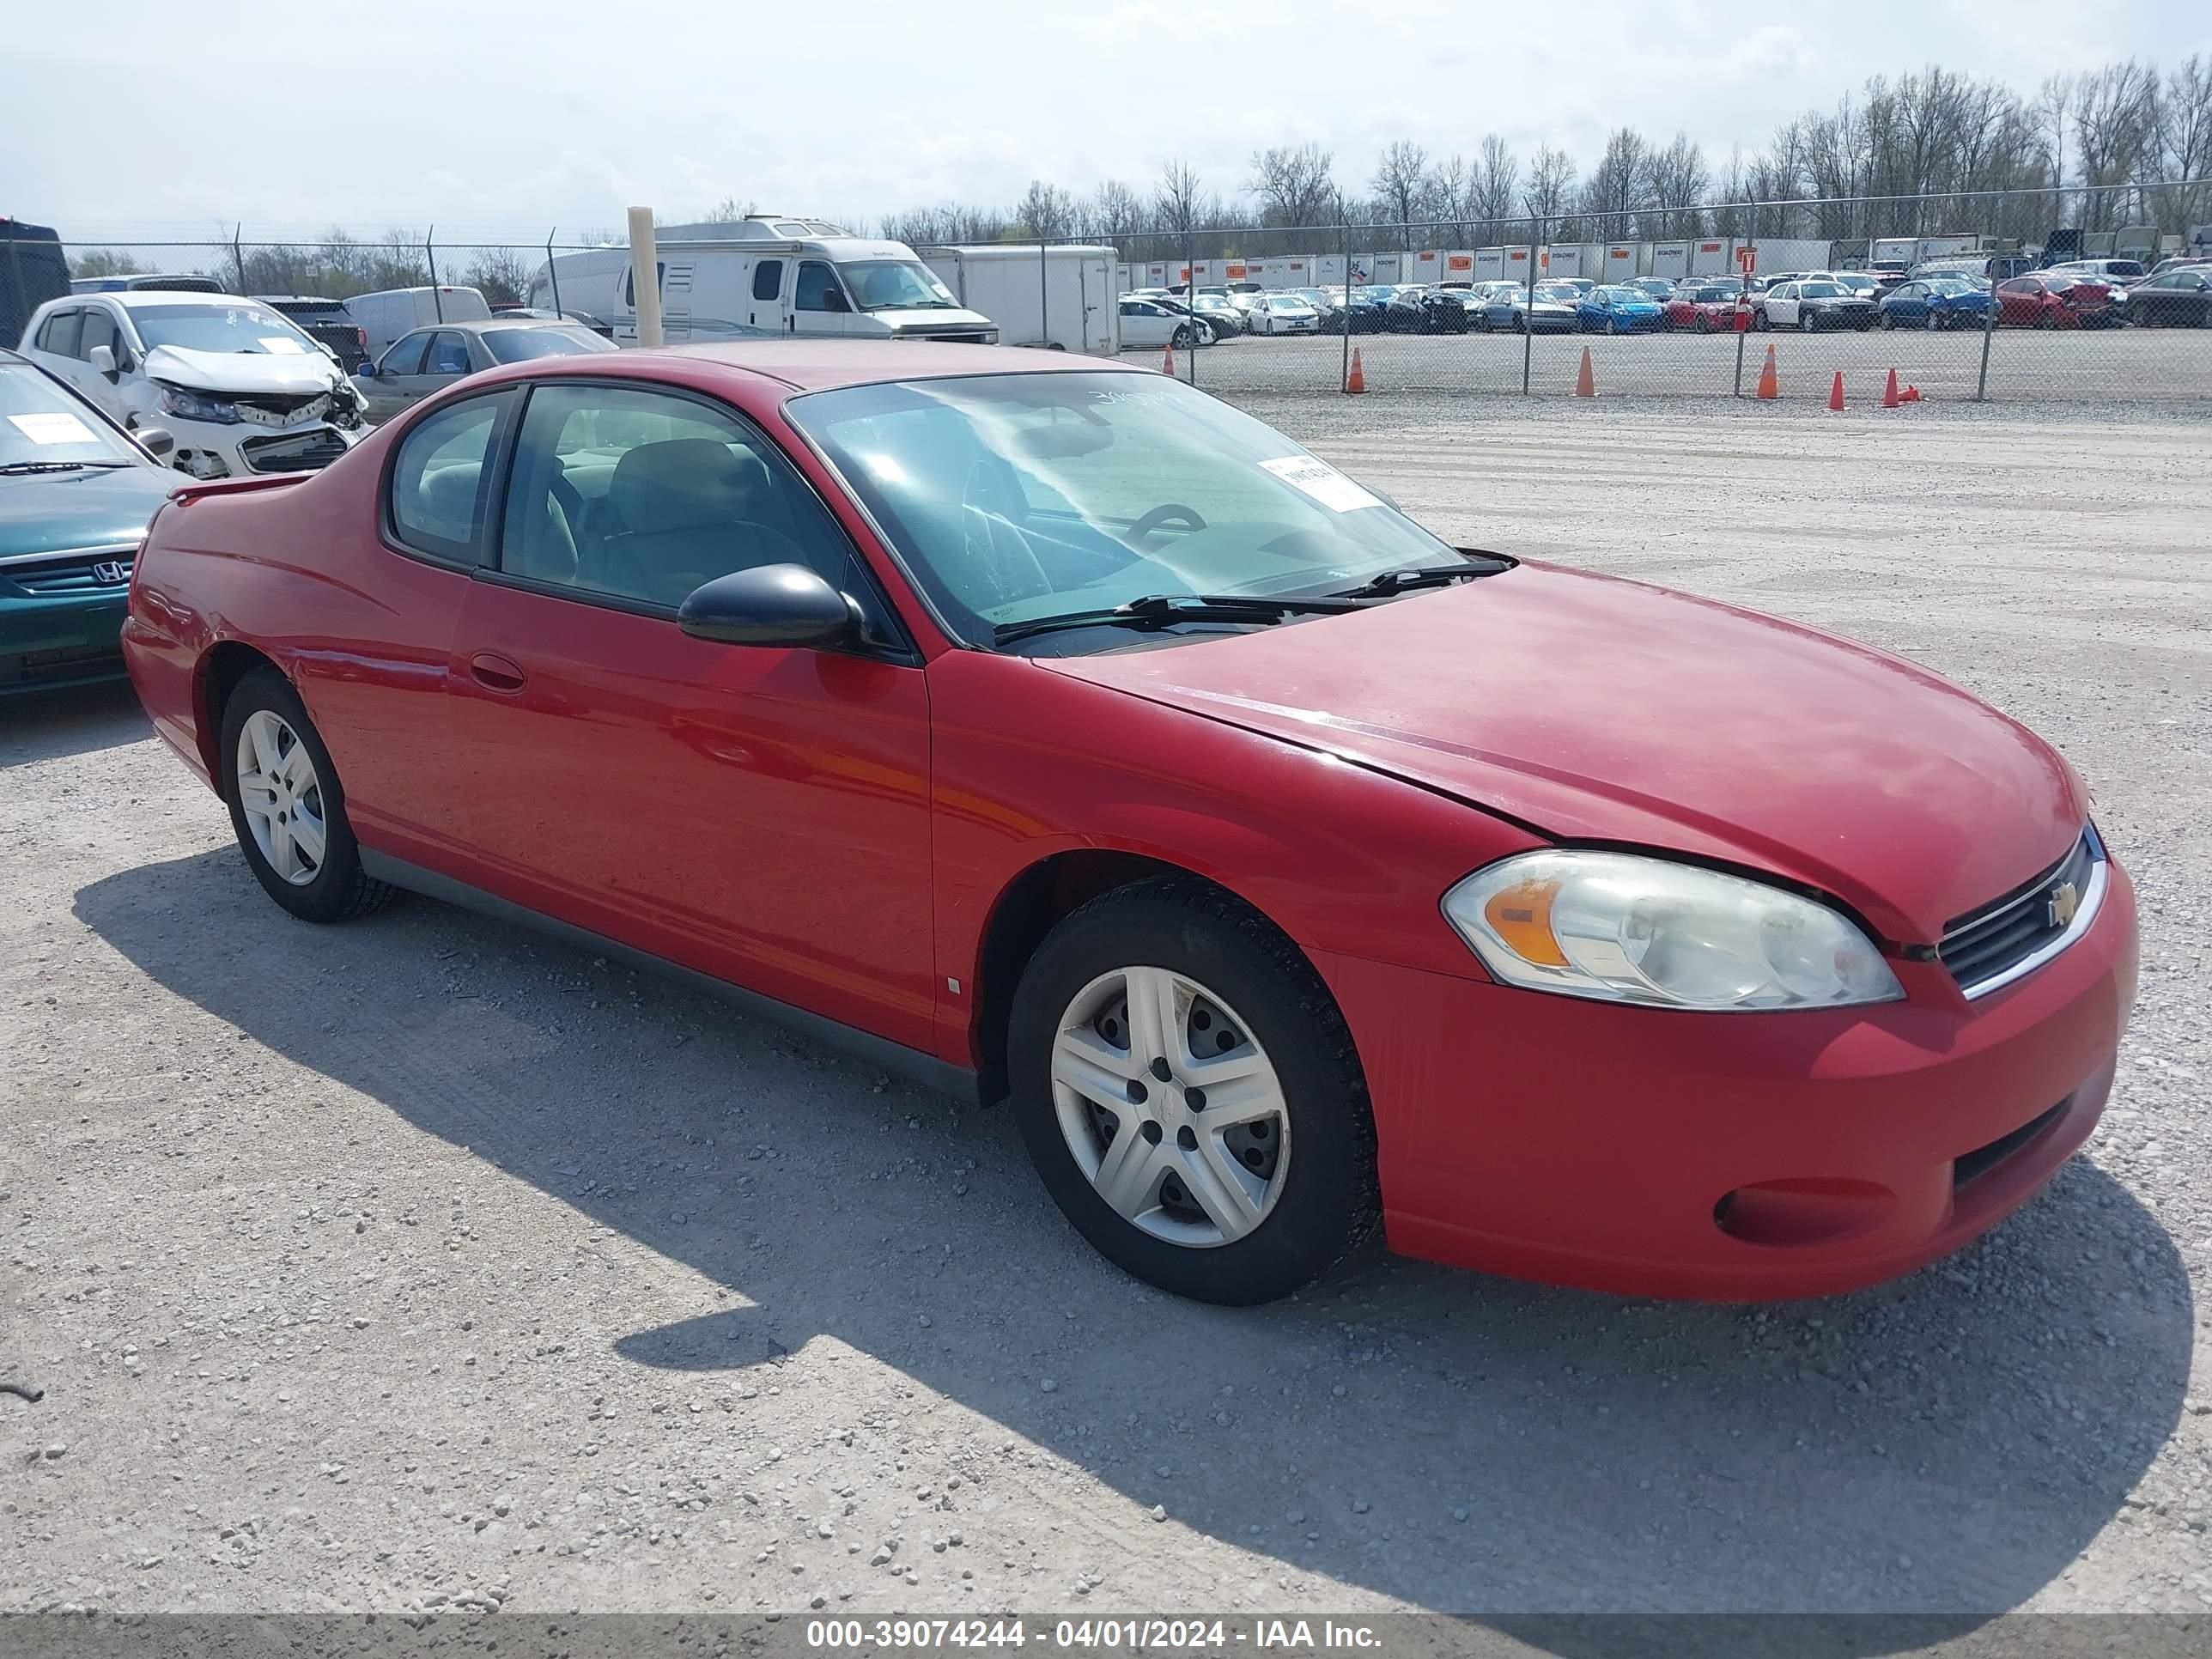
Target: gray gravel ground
column 418, row 1262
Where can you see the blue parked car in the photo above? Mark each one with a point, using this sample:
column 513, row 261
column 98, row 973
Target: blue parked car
column 75, row 495
column 1934, row 302
column 1614, row 310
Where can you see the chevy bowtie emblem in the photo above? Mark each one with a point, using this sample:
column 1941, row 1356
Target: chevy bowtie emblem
column 2065, row 900
column 109, row 574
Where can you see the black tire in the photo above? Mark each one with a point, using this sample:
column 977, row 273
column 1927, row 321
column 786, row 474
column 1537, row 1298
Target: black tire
column 341, row 890
column 1180, row 338
column 1329, row 1204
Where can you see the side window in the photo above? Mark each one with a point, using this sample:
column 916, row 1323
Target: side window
column 405, row 357
column 629, row 282
column 643, row 495
column 59, row 333
column 442, row 478
column 768, row 279
column 99, row 330
column 817, row 288
column 449, row 354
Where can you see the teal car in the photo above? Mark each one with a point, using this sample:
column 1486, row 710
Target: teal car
column 76, row 493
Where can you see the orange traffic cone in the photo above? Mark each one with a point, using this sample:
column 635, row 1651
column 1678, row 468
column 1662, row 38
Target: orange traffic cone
column 1357, row 380
column 1835, row 392
column 1912, row 394
column 1167, row 361
column 1889, row 398
column 1585, row 382
column 1769, row 385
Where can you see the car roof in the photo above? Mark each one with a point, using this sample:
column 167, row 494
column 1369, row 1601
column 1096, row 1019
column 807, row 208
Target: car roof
column 825, row 364
column 172, row 296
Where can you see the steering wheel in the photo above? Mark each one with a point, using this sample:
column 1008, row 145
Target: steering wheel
column 996, row 547
column 1166, row 513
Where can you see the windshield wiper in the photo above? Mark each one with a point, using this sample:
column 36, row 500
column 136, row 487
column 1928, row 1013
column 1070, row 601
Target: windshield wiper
column 1383, row 584
column 16, row 469
column 1159, row 609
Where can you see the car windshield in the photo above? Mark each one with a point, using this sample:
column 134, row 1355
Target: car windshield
column 1017, row 497
column 232, row 328
column 518, row 345
column 1716, row 291
column 42, row 428
column 1820, row 291
column 1949, row 285
column 896, row 285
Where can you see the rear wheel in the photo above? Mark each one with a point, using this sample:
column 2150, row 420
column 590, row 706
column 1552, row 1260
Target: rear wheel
column 287, row 807
column 1190, row 1097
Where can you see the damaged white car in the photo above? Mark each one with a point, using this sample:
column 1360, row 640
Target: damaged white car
column 238, row 386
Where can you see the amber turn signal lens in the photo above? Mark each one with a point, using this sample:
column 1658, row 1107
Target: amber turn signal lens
column 1521, row 915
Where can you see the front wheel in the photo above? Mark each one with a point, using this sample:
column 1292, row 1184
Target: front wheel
column 1190, row 1097
column 287, row 807
column 1888, row 322
column 1805, row 322
column 1181, row 340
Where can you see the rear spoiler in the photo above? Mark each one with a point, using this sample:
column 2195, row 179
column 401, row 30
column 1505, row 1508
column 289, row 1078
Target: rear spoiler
column 196, row 489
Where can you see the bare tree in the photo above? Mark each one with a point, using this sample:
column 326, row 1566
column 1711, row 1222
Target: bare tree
column 2185, row 143
column 1046, row 212
column 728, row 211
column 1550, row 177
column 1400, row 182
column 1497, row 172
column 1114, row 212
column 502, row 275
column 1680, row 181
column 2116, row 126
column 1620, row 187
column 105, row 262
column 1294, row 184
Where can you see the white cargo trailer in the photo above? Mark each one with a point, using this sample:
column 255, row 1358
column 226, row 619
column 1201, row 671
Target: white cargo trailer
column 1065, row 298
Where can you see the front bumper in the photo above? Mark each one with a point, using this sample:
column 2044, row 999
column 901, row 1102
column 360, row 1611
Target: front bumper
column 211, row 449
column 1729, row 1157
column 51, row 641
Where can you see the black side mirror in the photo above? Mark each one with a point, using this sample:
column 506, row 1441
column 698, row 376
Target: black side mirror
column 785, row 604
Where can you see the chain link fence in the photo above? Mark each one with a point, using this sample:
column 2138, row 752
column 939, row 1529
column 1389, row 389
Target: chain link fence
column 1966, row 297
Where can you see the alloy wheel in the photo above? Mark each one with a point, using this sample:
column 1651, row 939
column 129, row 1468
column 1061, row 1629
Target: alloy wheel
column 1171, row 1108
column 282, row 796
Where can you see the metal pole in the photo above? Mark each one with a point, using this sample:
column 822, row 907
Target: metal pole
column 1344, row 214
column 553, row 272
column 1742, row 303
column 1529, row 311
column 645, row 277
column 1190, row 298
column 1044, row 294
column 238, row 254
column 430, row 259
column 1990, row 316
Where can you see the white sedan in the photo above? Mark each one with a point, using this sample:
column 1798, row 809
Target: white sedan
column 1151, row 323
column 1282, row 313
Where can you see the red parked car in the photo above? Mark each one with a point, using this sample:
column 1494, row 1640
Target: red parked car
column 1707, row 307
column 1037, row 725
column 2046, row 302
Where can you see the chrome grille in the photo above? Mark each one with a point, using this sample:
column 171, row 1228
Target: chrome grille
column 89, row 576
column 2000, row 942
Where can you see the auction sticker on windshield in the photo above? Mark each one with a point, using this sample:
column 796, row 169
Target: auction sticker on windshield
column 1321, row 480
column 52, row 427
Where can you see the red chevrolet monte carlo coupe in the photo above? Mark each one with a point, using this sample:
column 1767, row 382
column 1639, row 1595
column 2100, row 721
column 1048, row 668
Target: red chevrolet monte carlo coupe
column 1038, row 726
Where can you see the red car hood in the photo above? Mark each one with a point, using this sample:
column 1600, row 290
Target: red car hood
column 1593, row 708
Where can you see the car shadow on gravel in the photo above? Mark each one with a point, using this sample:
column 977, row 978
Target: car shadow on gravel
column 56, row 724
column 1944, row 1446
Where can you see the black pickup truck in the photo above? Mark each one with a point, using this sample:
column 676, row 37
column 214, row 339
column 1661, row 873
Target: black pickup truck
column 326, row 322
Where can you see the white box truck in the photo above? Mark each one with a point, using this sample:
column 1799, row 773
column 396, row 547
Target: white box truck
column 1066, row 300
column 770, row 275
column 390, row 313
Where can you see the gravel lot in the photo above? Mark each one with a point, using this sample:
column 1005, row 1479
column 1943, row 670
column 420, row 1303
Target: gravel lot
column 418, row 1261
column 2155, row 366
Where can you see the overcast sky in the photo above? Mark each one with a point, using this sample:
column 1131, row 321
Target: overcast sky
column 517, row 118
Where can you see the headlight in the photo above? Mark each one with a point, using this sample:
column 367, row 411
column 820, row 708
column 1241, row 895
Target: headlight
column 198, row 406
column 1622, row 928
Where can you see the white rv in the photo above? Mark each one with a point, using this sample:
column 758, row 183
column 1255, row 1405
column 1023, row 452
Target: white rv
column 1066, row 300
column 768, row 275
